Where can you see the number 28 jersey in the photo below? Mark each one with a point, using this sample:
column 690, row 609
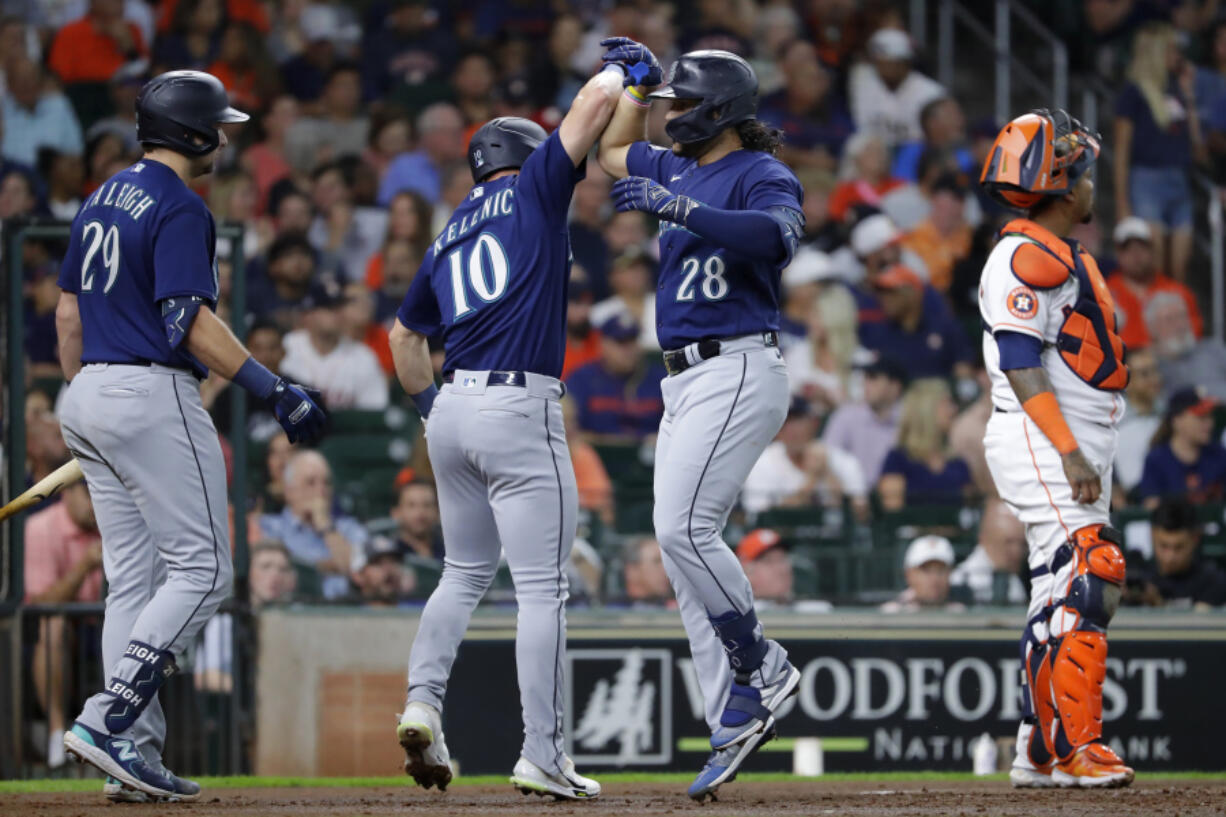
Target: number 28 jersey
column 494, row 281
column 705, row 290
column 142, row 237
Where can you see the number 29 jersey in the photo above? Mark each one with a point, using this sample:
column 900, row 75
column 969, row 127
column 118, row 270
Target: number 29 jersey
column 495, row 280
column 705, row 290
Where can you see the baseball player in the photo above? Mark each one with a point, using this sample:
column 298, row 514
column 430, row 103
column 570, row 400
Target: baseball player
column 730, row 218
column 137, row 333
column 494, row 282
column 1052, row 349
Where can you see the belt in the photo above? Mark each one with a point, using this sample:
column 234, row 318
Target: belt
column 678, row 360
column 141, row 362
column 496, row 378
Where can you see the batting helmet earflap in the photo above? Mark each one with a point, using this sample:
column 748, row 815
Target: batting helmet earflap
column 725, row 86
column 1041, row 153
column 180, row 110
column 502, row 143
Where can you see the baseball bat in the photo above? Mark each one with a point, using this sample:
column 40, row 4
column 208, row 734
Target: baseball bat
column 52, row 484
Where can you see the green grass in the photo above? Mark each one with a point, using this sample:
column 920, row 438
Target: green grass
column 868, row 778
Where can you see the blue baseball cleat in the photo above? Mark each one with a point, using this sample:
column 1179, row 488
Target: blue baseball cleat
column 722, row 765
column 185, row 790
column 120, row 758
column 752, row 703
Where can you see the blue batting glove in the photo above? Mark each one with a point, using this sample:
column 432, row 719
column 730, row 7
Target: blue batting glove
column 297, row 410
column 649, row 196
column 639, row 64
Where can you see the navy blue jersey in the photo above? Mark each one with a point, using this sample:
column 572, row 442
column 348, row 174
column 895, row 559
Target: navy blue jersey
column 141, row 238
column 708, row 291
column 495, row 279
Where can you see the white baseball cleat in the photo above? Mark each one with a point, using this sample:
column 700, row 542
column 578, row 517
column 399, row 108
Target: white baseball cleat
column 529, row 778
column 426, row 759
column 1027, row 777
column 117, row 792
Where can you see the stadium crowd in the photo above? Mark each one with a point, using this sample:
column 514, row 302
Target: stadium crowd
column 355, row 157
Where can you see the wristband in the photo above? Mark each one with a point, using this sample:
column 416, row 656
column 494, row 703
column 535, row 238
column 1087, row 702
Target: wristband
column 1045, row 411
column 636, row 97
column 255, row 378
column 424, row 399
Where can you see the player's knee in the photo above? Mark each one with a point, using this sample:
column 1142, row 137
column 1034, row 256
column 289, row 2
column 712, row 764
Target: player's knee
column 1096, row 587
column 472, row 578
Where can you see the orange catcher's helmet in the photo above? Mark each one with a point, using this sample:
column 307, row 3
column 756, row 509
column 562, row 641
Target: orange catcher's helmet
column 1042, row 153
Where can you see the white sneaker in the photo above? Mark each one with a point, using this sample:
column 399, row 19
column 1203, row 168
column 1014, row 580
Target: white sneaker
column 55, row 749
column 1028, row 777
column 569, row 785
column 426, row 759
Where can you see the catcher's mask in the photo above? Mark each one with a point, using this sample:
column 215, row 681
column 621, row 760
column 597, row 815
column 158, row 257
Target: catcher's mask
column 1042, row 153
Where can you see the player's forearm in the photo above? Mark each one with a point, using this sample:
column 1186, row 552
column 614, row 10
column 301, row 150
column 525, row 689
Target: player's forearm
column 411, row 354
column 628, row 125
column 214, row 345
column 750, row 233
column 1034, row 391
column 590, row 114
column 68, row 334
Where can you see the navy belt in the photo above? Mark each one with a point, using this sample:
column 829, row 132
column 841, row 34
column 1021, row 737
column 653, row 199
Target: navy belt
column 142, row 362
column 676, row 362
column 497, row 378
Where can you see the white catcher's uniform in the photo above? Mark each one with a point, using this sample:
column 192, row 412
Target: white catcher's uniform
column 1025, row 465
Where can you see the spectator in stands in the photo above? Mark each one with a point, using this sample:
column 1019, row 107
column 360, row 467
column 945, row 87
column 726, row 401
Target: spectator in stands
column 1141, row 420
column 346, row 371
column 1138, row 279
column 944, row 237
column 280, row 295
column 632, row 280
column 915, row 329
column 927, row 566
column 440, row 141
column 588, row 214
column 105, row 155
column 457, row 183
column 390, row 135
column 887, row 94
column 417, row 520
column 822, row 232
column 359, row 324
column 767, row 566
column 869, row 429
column 194, row 37
column 41, row 344
column 94, row 47
column 798, row 470
column 811, row 114
column 124, row 86
column 264, row 341
column 35, row 115
column 340, row 128
column 990, row 573
column 17, row 198
column 267, row 161
column 1183, row 360
column 313, row 533
column 626, row 232
column 966, row 434
column 233, row 198
column 244, row 67
column 582, row 339
column 1185, row 461
column 802, row 280
column 291, row 208
column 472, row 85
column 944, row 127
column 45, row 448
column 64, row 174
column 408, row 60
column 328, row 37
column 618, row 396
column 63, row 563
column 409, row 218
column 380, row 574
column 921, row 470
column 865, row 173
column 1156, row 138
column 399, row 262
column 819, row 367
column 595, row 487
column 646, row 581
column 271, row 499
column 1178, row 575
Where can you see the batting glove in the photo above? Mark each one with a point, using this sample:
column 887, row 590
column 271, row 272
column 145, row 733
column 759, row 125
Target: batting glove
column 649, row 196
column 635, row 59
column 297, row 410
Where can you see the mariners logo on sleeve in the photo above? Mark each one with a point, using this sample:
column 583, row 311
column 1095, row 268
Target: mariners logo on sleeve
column 1022, row 303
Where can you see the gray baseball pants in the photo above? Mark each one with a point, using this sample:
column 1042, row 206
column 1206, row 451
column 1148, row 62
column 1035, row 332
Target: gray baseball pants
column 719, row 416
column 154, row 467
column 505, row 484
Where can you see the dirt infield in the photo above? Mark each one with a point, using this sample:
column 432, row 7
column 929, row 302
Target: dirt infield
column 1186, row 798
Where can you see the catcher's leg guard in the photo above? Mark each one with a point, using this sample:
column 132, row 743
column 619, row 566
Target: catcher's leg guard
column 1079, row 653
column 1037, row 708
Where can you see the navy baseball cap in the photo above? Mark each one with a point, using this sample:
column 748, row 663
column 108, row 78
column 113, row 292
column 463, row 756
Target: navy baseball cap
column 887, row 367
column 1190, row 398
column 325, row 293
column 619, row 327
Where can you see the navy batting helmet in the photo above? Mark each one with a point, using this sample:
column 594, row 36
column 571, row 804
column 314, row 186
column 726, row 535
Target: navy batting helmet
column 502, row 143
column 180, row 110
column 725, row 87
